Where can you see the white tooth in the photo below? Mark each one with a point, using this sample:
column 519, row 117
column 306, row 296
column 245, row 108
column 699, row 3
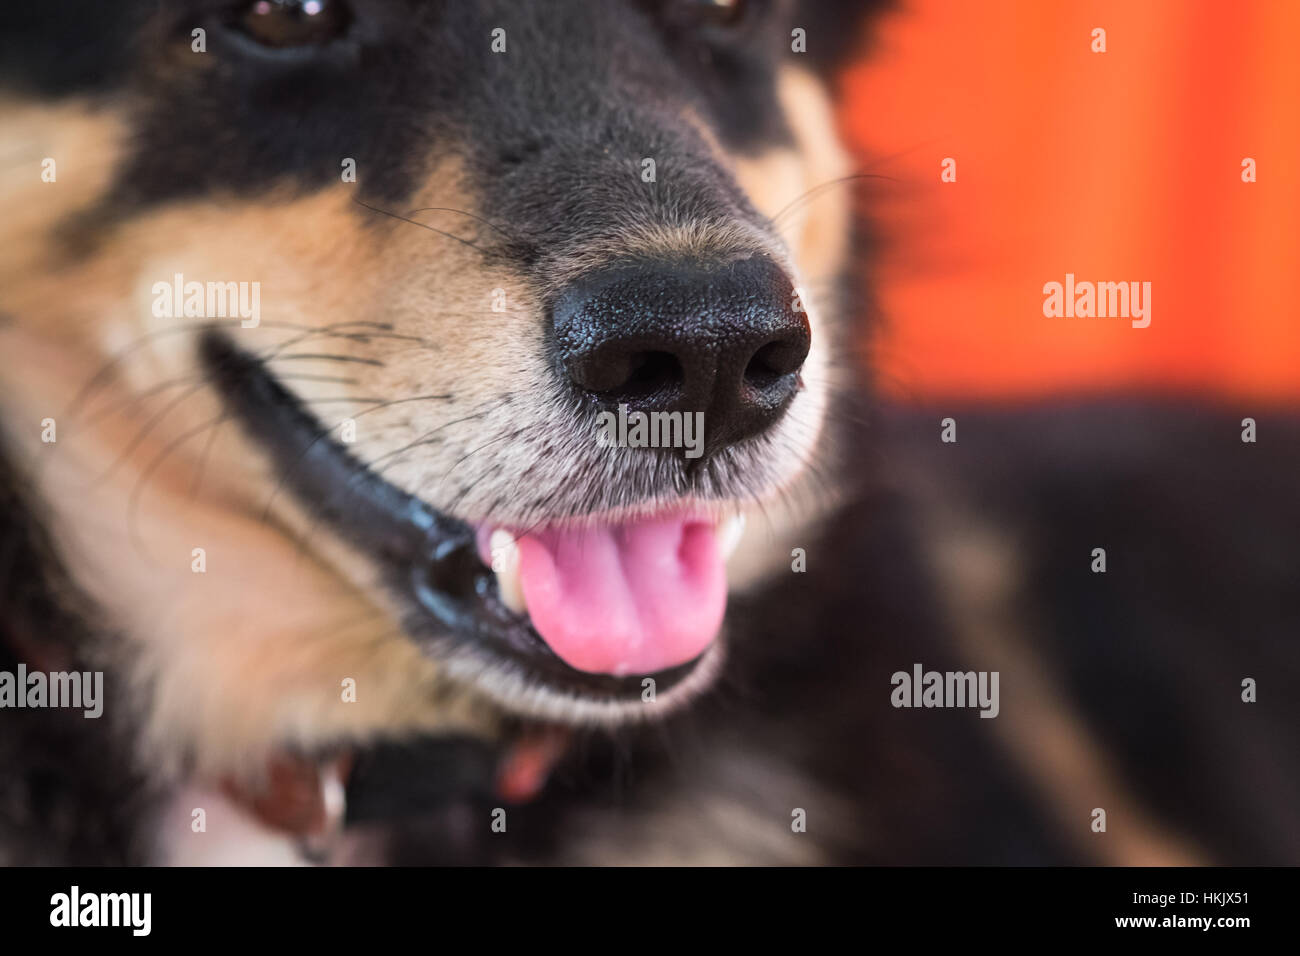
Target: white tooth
column 729, row 533
column 505, row 562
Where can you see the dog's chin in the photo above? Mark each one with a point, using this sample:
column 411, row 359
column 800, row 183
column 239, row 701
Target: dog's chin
column 607, row 619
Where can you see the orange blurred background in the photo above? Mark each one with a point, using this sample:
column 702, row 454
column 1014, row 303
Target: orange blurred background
column 1117, row 166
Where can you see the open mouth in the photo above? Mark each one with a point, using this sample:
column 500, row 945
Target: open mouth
column 561, row 622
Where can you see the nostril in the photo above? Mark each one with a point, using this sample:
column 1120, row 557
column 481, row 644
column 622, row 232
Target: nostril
column 601, row 370
column 672, row 336
column 776, row 361
column 617, row 373
column 652, row 372
column 770, row 363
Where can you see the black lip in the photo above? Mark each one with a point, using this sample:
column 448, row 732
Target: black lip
column 429, row 559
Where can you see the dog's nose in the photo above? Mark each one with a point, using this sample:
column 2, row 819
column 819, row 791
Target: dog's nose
column 727, row 341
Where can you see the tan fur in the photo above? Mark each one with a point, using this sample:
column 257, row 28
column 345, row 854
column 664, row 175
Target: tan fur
column 816, row 228
column 739, row 812
column 84, row 142
column 250, row 655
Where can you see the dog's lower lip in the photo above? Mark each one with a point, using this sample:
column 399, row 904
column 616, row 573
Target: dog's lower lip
column 428, row 557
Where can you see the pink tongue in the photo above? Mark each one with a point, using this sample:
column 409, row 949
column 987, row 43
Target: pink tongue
column 625, row 599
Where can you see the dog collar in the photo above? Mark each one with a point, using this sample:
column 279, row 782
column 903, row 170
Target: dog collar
column 314, row 799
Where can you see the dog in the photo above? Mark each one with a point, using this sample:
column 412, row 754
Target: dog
column 318, row 319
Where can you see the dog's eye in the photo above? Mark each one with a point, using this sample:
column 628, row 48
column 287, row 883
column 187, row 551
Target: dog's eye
column 291, row 23
column 710, row 13
column 722, row 12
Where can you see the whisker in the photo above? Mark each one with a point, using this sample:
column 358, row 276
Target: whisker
column 508, row 435
column 368, row 468
column 96, row 381
column 487, row 253
column 824, row 187
column 323, row 357
column 133, row 502
column 279, row 486
column 855, row 177
column 204, row 457
column 336, row 379
column 462, row 212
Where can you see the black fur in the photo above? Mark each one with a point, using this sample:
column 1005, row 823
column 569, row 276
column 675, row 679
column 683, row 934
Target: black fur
column 1202, row 589
column 1203, row 538
column 1201, row 530
column 70, row 790
column 583, row 92
column 1201, row 533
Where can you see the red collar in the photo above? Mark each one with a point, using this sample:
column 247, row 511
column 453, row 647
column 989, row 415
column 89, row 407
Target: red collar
column 305, row 797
